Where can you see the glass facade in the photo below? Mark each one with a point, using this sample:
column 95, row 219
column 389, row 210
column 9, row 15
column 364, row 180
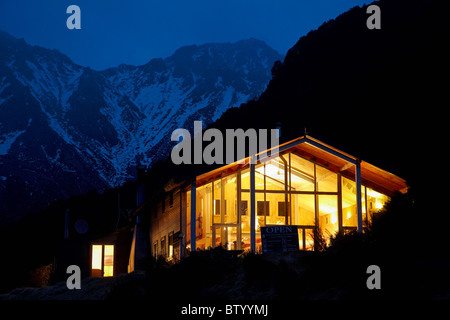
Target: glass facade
column 289, row 190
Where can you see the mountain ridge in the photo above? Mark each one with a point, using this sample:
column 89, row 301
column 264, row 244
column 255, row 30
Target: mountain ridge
column 86, row 129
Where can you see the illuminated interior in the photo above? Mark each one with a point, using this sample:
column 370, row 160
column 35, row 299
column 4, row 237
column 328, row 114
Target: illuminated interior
column 108, row 261
column 97, row 251
column 289, row 190
column 102, row 260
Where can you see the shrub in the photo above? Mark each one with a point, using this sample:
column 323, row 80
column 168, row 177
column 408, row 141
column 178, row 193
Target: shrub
column 41, row 276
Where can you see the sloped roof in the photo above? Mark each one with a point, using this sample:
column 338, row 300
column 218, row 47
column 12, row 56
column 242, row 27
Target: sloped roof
column 328, row 156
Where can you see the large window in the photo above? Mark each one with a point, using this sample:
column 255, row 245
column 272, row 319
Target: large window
column 289, row 190
column 349, row 209
column 328, row 214
column 303, row 209
column 203, row 216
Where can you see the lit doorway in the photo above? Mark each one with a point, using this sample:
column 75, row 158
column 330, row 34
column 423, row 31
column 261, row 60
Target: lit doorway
column 102, row 260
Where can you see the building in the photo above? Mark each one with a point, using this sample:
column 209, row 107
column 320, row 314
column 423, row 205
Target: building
column 310, row 185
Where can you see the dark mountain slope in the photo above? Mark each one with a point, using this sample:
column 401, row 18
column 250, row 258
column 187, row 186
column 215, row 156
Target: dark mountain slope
column 66, row 129
column 377, row 94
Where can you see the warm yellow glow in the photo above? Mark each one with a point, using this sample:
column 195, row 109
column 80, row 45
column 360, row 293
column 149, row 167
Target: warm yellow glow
column 170, row 251
column 327, row 209
column 349, row 214
column 373, row 193
column 274, row 171
column 108, row 271
column 108, row 263
column 378, row 204
column 334, row 218
column 97, row 257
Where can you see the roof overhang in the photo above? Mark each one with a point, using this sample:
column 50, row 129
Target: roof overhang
column 325, row 155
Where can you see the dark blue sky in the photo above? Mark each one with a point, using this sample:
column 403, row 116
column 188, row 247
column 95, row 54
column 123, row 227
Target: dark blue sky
column 135, row 31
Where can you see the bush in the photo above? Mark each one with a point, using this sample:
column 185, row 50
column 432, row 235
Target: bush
column 41, row 276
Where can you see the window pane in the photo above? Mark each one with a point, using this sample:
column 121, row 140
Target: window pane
column 171, row 245
column 349, row 210
column 259, row 176
column 217, row 204
column 302, row 174
column 276, row 213
column 328, row 215
column 245, row 220
column 218, row 239
column 275, row 174
column 303, row 209
column 245, row 179
column 230, row 193
column 245, row 211
column 203, row 215
column 326, row 180
column 97, row 260
column 309, row 239
column 108, row 262
column 260, row 220
column 231, row 238
column 375, row 202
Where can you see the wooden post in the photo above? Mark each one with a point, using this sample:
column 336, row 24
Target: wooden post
column 193, row 209
column 252, row 206
column 358, row 195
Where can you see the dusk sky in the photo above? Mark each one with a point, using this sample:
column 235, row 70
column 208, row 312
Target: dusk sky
column 135, row 31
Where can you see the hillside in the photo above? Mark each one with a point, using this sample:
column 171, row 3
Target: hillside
column 66, row 129
column 376, row 94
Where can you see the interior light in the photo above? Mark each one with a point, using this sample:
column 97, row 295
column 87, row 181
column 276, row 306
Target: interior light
column 378, row 205
column 108, row 261
column 333, row 218
column 373, row 193
column 97, row 257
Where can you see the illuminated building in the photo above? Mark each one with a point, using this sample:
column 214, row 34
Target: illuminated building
column 309, row 185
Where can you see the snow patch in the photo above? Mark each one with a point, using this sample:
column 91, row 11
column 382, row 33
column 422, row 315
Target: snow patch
column 6, row 140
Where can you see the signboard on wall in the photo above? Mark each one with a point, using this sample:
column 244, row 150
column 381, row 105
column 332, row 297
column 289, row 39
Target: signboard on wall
column 279, row 239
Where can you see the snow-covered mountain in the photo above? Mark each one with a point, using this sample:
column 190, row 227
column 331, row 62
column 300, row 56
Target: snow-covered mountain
column 66, row 129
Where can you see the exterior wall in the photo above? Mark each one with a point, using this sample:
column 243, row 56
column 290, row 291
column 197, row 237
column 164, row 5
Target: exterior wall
column 165, row 225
